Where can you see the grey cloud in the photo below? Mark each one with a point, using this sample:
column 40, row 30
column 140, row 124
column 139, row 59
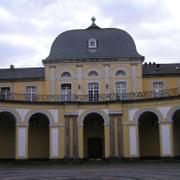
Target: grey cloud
column 131, row 13
column 10, row 52
column 31, row 17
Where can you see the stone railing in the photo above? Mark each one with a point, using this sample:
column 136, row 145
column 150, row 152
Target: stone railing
column 92, row 98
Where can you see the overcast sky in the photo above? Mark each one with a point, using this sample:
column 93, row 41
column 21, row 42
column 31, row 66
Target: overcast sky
column 28, row 27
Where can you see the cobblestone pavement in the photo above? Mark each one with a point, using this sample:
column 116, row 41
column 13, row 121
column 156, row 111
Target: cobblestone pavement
column 125, row 171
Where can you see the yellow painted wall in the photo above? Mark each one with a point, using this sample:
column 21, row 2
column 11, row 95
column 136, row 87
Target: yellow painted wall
column 169, row 82
column 97, row 66
column 43, row 87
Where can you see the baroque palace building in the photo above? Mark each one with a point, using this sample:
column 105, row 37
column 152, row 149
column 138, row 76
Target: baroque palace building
column 93, row 99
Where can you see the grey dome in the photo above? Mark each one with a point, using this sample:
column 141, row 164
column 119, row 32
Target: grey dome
column 111, row 43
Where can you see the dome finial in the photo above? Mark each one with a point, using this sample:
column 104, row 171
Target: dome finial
column 93, row 25
column 93, row 19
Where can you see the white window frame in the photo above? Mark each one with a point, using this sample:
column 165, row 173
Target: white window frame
column 124, row 75
column 86, row 73
column 32, row 94
column 93, row 97
column 66, row 77
column 158, row 93
column 121, row 96
column 5, row 95
column 120, row 69
column 93, row 75
column 65, row 96
column 90, row 46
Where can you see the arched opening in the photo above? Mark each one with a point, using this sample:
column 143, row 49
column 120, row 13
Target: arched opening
column 38, row 139
column 94, row 136
column 149, row 143
column 7, row 135
column 176, row 130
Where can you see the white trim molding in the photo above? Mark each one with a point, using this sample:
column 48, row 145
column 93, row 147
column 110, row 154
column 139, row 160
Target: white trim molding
column 22, row 142
column 164, row 110
column 103, row 114
column 155, row 111
column 166, row 139
column 131, row 113
column 133, row 141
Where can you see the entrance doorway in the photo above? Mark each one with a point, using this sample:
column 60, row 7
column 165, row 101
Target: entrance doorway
column 176, row 131
column 94, row 136
column 7, row 135
column 149, row 143
column 38, row 139
column 96, row 151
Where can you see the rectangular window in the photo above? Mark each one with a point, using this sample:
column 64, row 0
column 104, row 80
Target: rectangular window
column 66, row 92
column 31, row 93
column 121, row 90
column 5, row 93
column 93, row 92
column 158, row 89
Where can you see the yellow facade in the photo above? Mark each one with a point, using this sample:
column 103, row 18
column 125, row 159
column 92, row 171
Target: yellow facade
column 37, row 121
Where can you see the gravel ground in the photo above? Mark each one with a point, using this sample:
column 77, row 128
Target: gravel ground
column 125, row 171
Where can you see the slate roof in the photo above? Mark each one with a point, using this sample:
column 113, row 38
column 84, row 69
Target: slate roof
column 111, row 43
column 22, row 73
column 161, row 69
column 39, row 73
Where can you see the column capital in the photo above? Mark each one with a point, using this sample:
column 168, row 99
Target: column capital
column 79, row 65
column 165, row 122
column 130, row 124
column 22, row 125
column 52, row 66
column 56, row 125
column 70, row 114
column 106, row 65
column 115, row 113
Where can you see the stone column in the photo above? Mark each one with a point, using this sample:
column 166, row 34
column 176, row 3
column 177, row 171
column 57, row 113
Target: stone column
column 106, row 139
column 22, row 142
column 67, row 136
column 134, row 77
column 106, row 76
column 75, row 136
column 80, row 142
column 133, row 141
column 54, row 142
column 52, row 79
column 112, row 137
column 120, row 137
column 79, row 79
column 166, row 139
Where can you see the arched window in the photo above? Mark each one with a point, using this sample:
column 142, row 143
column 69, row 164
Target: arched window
column 120, row 73
column 92, row 73
column 65, row 75
column 92, row 43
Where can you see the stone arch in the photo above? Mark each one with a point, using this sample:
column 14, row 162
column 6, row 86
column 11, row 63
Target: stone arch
column 66, row 74
column 171, row 112
column 59, row 74
column 103, row 114
column 99, row 74
column 39, row 135
column 148, row 133
column 93, row 74
column 173, row 117
column 120, row 69
column 140, row 112
column 45, row 112
column 14, row 113
column 8, row 121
